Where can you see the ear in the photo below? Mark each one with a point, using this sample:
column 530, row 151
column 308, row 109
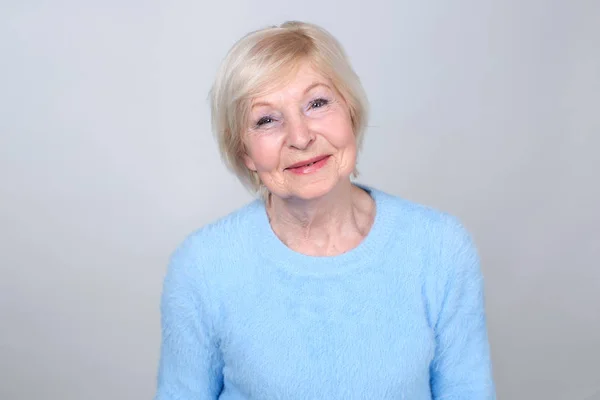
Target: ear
column 249, row 163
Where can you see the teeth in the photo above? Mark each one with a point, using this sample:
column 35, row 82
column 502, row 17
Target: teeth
column 308, row 165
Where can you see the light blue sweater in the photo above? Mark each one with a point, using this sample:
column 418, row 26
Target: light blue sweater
column 401, row 316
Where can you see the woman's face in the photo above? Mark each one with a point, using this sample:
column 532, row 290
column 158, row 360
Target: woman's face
column 300, row 139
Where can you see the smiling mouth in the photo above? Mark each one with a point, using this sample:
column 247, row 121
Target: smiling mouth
column 308, row 163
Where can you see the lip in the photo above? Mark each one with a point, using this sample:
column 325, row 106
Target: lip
column 310, row 160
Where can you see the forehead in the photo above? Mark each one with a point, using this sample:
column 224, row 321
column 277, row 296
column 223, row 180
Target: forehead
column 293, row 85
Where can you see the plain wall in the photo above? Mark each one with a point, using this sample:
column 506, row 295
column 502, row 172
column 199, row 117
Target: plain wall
column 486, row 109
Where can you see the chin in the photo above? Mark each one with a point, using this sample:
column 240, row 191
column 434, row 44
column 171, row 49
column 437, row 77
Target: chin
column 314, row 190
column 308, row 188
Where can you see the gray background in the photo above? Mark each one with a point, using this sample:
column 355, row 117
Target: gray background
column 486, row 109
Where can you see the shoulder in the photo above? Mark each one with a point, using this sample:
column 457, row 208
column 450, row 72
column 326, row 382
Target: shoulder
column 442, row 248
column 420, row 218
column 441, row 236
column 213, row 246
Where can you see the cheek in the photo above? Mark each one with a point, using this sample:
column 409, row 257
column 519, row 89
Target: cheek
column 341, row 134
column 265, row 151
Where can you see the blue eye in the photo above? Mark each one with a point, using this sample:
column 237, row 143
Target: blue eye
column 264, row 121
column 318, row 103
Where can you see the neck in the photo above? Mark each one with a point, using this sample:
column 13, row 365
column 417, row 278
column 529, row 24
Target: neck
column 330, row 224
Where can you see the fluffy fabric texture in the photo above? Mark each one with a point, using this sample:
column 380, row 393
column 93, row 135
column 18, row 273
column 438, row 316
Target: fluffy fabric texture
column 401, row 316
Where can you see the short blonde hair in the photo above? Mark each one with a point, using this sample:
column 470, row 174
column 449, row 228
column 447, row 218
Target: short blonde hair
column 263, row 59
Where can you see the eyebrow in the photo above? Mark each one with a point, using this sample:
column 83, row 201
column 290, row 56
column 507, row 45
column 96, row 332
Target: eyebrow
column 308, row 89
column 314, row 85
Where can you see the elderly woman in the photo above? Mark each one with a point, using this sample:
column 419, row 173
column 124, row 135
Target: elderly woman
column 320, row 288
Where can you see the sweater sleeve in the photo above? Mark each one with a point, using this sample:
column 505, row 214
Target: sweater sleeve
column 190, row 366
column 461, row 368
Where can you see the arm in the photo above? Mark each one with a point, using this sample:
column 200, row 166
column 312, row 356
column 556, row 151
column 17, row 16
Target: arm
column 190, row 364
column 461, row 368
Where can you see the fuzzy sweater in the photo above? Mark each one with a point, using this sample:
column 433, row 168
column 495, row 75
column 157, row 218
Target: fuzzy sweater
column 401, row 316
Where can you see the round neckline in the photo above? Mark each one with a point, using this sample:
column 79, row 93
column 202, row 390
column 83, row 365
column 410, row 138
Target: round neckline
column 272, row 249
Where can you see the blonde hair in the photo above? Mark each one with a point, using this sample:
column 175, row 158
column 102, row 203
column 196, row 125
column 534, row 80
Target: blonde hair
column 263, row 59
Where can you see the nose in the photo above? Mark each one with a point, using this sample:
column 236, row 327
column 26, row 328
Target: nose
column 299, row 134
